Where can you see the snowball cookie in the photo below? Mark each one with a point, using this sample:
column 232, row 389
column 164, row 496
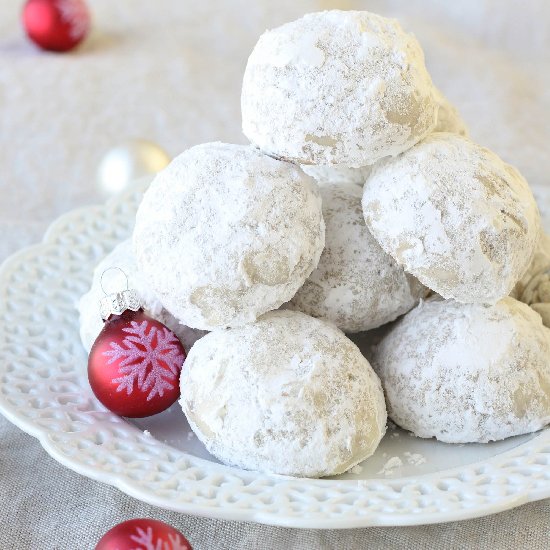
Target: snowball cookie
column 448, row 117
column 455, row 216
column 337, row 87
column 88, row 305
column 288, row 394
column 336, row 173
column 356, row 285
column 467, row 372
column 226, row 233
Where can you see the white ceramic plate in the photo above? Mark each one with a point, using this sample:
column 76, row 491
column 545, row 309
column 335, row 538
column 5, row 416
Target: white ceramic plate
column 44, row 391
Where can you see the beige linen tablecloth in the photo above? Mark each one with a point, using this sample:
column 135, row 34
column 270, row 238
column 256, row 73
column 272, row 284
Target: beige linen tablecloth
column 170, row 71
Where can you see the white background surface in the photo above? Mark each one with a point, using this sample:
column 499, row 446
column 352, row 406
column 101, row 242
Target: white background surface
column 170, row 71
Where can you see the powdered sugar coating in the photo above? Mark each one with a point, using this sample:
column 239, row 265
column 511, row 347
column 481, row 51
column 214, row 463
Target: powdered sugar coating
column 226, row 233
column 356, row 285
column 448, row 117
column 337, row 87
column 288, row 394
column 88, row 305
column 467, row 372
column 455, row 216
column 337, row 173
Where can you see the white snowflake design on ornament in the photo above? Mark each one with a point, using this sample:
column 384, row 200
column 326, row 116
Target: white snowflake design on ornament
column 74, row 13
column 155, row 367
column 145, row 538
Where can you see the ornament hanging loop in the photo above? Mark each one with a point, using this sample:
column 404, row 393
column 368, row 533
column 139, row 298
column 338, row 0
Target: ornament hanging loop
column 116, row 268
column 116, row 303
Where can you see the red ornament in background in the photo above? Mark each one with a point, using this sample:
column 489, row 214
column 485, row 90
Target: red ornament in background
column 143, row 534
column 56, row 25
column 135, row 362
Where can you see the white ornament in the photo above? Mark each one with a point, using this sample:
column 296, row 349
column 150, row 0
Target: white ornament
column 128, row 162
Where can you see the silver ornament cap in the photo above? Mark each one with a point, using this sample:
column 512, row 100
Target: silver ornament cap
column 116, row 303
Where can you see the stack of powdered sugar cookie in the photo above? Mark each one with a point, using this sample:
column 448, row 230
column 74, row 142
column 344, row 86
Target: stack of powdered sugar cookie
column 360, row 202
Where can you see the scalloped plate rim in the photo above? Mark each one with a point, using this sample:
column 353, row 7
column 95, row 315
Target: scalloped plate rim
column 273, row 519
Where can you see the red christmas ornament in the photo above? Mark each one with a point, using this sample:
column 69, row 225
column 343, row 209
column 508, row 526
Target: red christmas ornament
column 135, row 362
column 56, row 25
column 143, row 534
